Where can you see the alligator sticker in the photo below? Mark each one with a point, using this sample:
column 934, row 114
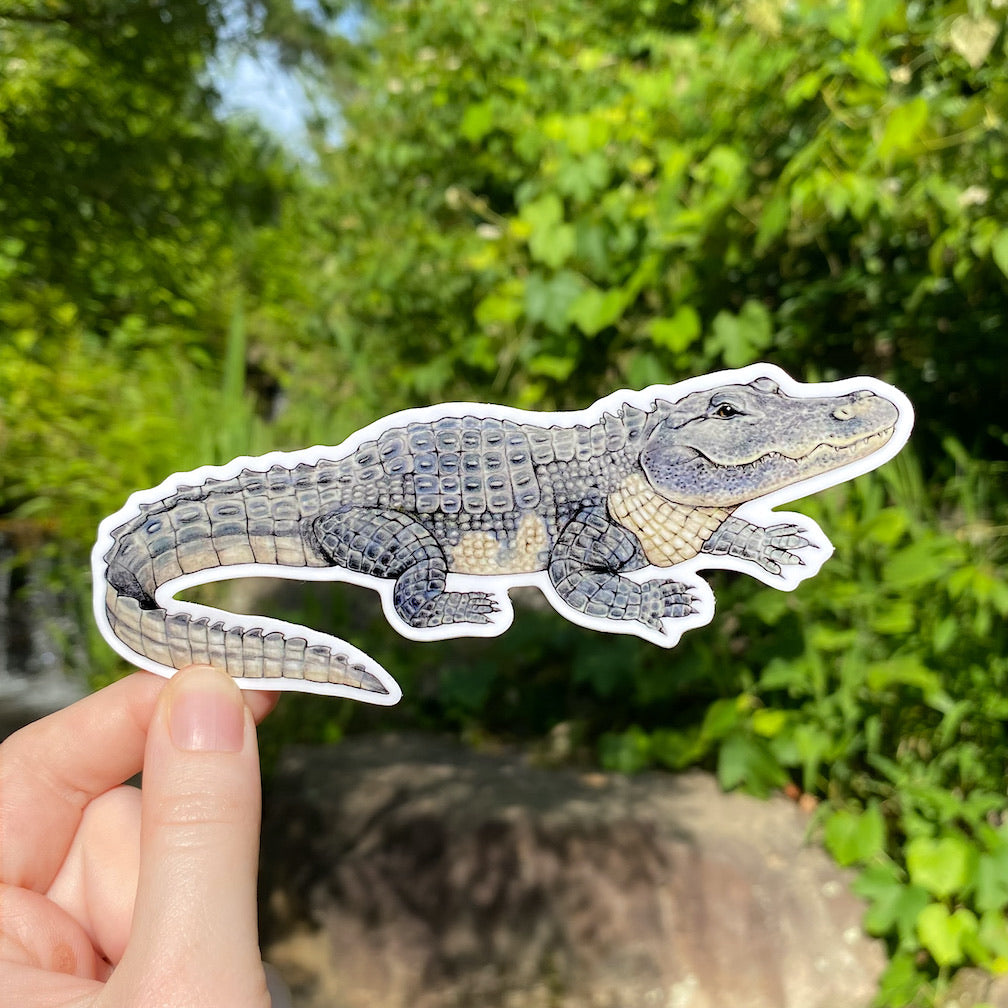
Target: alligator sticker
column 611, row 512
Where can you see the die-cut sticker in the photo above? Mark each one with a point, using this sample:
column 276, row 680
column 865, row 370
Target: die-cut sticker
column 610, row 511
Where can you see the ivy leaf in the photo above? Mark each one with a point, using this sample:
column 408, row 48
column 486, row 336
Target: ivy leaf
column 678, row 332
column 742, row 338
column 553, row 247
column 549, row 300
column 941, row 865
column 543, row 213
column 853, row 837
column 501, row 307
column 973, row 38
column 893, row 905
column 582, row 177
column 550, row 240
column 594, row 310
column 945, row 935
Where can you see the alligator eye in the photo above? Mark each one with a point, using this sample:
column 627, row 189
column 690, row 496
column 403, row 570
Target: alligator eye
column 726, row 410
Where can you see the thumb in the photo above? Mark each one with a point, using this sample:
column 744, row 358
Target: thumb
column 194, row 937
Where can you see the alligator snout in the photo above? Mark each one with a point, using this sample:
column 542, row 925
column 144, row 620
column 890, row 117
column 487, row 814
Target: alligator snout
column 855, row 405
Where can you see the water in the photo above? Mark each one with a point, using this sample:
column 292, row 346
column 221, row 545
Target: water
column 42, row 653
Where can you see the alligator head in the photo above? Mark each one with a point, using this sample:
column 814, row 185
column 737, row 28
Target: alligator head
column 725, row 446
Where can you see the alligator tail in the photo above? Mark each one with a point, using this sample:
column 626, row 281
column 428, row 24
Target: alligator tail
column 256, row 657
column 188, row 537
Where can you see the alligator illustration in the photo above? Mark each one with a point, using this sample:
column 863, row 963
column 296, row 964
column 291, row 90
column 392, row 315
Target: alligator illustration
column 442, row 510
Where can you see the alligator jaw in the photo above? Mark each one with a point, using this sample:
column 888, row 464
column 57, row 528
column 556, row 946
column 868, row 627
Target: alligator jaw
column 825, row 457
column 703, row 482
column 774, row 470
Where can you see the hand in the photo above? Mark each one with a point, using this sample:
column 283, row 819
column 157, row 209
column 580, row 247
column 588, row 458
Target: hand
column 111, row 896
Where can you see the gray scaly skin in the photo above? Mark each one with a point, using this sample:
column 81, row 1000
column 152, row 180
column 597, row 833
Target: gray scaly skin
column 491, row 496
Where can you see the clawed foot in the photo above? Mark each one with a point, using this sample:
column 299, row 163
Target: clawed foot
column 772, row 548
column 456, row 607
column 777, row 543
column 663, row 599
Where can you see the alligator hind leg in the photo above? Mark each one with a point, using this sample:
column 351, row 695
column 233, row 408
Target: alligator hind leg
column 584, row 568
column 390, row 544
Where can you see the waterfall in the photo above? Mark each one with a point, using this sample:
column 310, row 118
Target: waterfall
column 42, row 652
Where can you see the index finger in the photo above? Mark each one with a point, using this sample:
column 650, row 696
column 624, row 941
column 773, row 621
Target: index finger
column 52, row 769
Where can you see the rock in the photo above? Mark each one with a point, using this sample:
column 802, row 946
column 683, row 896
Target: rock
column 412, row 872
column 971, row 987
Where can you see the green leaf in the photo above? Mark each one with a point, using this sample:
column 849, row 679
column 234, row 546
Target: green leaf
column 897, row 617
column 992, row 880
column 769, row 723
column 902, row 982
column 543, row 213
column 721, row 718
column 904, row 671
column 769, row 607
column 551, row 366
column 743, row 760
column 742, row 338
column 942, row 865
column 678, row 332
column 549, row 300
column 887, row 527
column 999, row 250
column 925, row 561
column 503, row 306
column 776, row 215
column 993, row 936
column 553, row 246
column 581, row 178
column 903, row 128
column 626, row 752
column 945, row 935
column 873, row 14
column 823, row 637
column 550, row 240
column 477, row 121
column 865, row 65
column 892, row 904
column 595, row 310
column 853, row 837
column 677, row 749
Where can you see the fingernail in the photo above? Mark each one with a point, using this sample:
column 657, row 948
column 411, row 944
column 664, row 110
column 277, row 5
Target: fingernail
column 207, row 712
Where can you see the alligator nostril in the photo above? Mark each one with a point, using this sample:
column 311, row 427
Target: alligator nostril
column 854, row 405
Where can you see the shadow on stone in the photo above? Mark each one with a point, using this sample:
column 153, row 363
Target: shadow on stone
column 408, row 871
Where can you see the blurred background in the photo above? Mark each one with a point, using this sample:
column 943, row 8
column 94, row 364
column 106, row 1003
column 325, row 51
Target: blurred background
column 233, row 226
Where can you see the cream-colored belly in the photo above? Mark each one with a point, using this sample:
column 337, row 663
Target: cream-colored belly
column 669, row 533
column 482, row 553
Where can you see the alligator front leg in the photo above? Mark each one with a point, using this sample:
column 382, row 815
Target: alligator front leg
column 769, row 547
column 390, row 544
column 584, row 568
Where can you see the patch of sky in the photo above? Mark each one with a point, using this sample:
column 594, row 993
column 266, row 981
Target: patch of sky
column 254, row 82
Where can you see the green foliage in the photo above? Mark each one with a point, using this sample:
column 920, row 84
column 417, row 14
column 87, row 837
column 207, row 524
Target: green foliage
column 564, row 208
column 130, row 222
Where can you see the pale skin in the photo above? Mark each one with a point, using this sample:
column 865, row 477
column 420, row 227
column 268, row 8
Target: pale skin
column 118, row 897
